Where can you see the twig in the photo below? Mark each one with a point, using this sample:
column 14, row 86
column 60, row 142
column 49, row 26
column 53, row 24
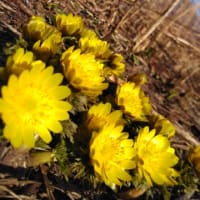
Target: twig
column 156, row 25
column 73, row 195
column 14, row 181
column 181, row 40
column 130, row 11
column 178, row 17
column 3, row 188
column 133, row 193
column 46, row 182
column 3, row 5
column 186, row 135
column 24, row 8
column 11, row 28
column 181, row 146
column 180, row 27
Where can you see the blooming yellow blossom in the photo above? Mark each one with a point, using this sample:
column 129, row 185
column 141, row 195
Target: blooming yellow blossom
column 194, row 158
column 162, row 125
column 19, row 61
column 133, row 101
column 100, row 114
column 69, row 24
column 94, row 45
column 116, row 65
column 38, row 29
column 32, row 104
column 111, row 154
column 48, row 47
column 155, row 158
column 83, row 72
column 35, row 28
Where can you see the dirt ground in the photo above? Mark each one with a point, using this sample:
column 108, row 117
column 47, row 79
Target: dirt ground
column 160, row 38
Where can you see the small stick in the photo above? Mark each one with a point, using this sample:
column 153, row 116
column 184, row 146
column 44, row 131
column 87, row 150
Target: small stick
column 156, row 25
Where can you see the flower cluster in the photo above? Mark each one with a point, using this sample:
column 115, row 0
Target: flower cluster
column 150, row 155
column 86, row 62
column 35, row 101
column 111, row 151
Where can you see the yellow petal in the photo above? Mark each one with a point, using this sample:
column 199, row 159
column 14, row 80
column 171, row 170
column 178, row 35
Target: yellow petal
column 24, row 78
column 37, row 67
column 2, row 105
column 12, row 81
column 60, row 92
column 55, row 80
column 128, row 164
column 111, row 177
column 28, row 136
column 61, row 115
column 62, row 105
column 44, row 134
column 10, row 132
column 54, row 126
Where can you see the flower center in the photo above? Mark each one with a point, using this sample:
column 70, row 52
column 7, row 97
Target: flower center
column 34, row 107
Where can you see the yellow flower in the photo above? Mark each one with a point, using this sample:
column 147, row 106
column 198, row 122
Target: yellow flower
column 116, row 66
column 95, row 46
column 35, row 28
column 38, row 29
column 162, row 125
column 111, row 154
column 19, row 61
column 100, row 114
column 85, row 32
column 48, row 47
column 155, row 158
column 194, row 158
column 83, row 72
column 69, row 24
column 32, row 104
column 133, row 101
